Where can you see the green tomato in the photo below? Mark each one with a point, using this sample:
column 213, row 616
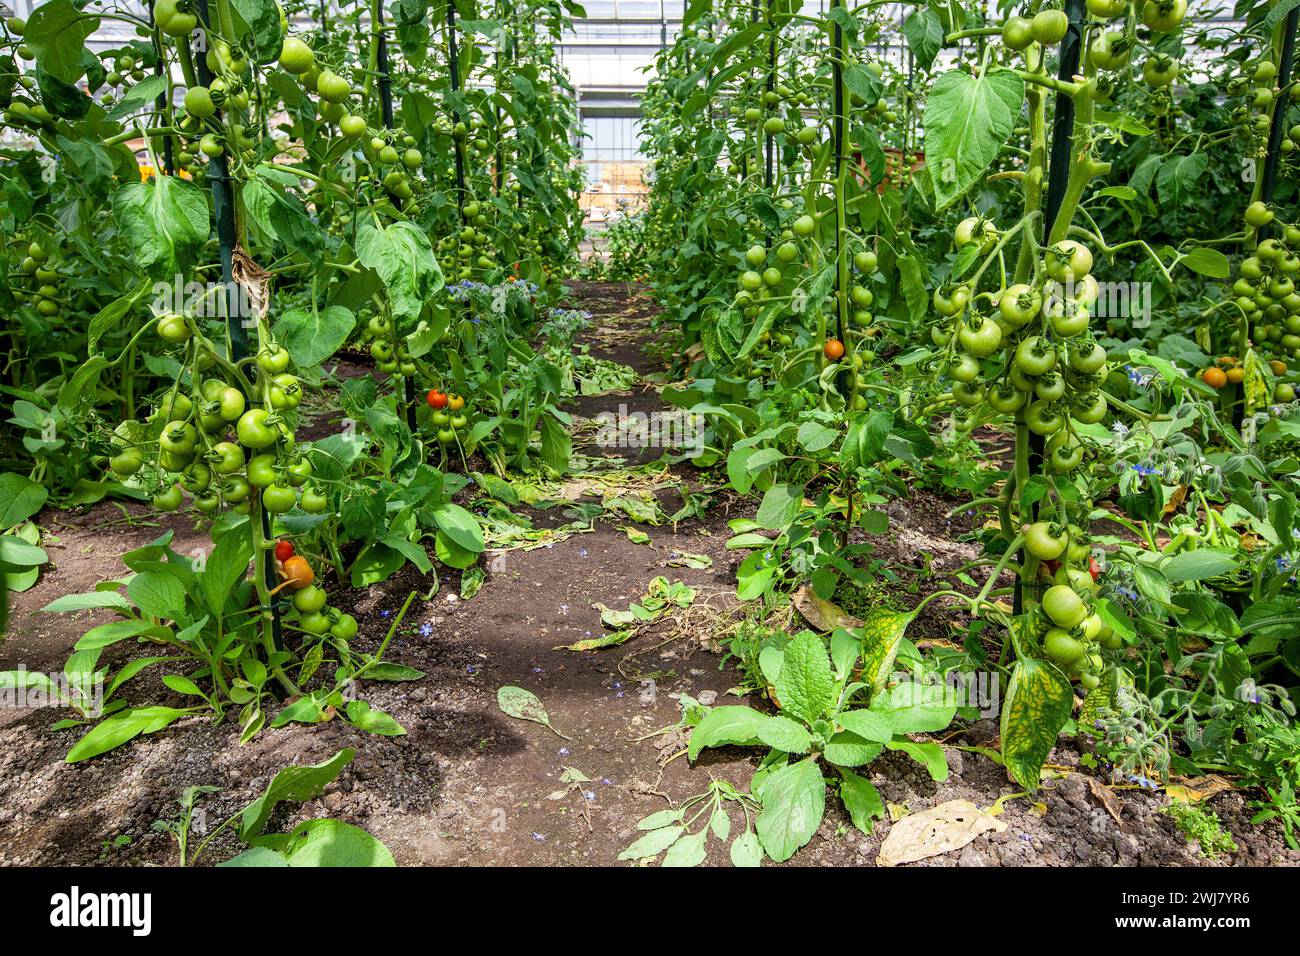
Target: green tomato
column 1107, row 9
column 1020, row 304
column 804, row 226
column 1043, row 419
column 1035, row 356
column 173, row 328
column 273, row 359
column 313, row 502
column 980, row 340
column 297, row 472
column 262, row 471
column 235, row 489
column 1050, row 387
column 1007, row 399
column 168, row 500
column 345, row 628
column 1063, row 649
column 965, row 369
column 1017, row 33
column 277, row 499
column 178, row 438
column 1044, row 541
column 1090, row 408
column 296, row 56
column 314, row 622
column 1164, row 16
column 199, row 103
column 1064, row 606
column 1110, row 50
column 230, row 458
column 332, row 87
column 1048, row 26
column 253, row 430
column 309, row 599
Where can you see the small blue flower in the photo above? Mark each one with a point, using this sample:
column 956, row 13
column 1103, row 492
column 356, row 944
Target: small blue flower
column 426, row 630
column 563, row 751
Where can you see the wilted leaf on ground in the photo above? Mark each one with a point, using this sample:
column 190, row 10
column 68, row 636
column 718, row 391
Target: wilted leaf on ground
column 942, row 829
column 823, row 615
column 524, row 705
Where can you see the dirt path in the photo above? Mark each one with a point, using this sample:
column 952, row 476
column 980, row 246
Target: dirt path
column 467, row 784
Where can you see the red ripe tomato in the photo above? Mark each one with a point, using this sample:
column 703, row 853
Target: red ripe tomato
column 436, row 399
column 1094, row 568
column 283, row 550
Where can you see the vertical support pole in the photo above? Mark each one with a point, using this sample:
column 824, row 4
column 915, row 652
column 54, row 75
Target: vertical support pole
column 1285, row 72
column 769, row 141
column 386, row 112
column 223, row 209
column 1058, row 174
column 162, row 104
column 1058, row 170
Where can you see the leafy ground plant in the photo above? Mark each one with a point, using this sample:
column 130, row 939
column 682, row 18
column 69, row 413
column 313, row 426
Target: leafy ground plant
column 321, row 842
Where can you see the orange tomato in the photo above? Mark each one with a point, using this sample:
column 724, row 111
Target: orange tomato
column 834, row 349
column 1214, row 377
column 455, row 402
column 1278, row 367
column 1236, row 374
column 297, row 572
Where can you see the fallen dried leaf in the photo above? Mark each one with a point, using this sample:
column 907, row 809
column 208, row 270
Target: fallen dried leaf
column 947, row 827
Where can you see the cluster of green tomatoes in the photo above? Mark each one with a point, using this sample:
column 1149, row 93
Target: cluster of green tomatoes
column 1030, row 353
column 470, row 245
column 45, row 296
column 1265, row 289
column 1256, row 116
column 210, row 443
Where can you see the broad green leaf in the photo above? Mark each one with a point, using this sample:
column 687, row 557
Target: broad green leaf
column 782, row 733
column 226, row 567
column 653, row 843
column 780, row 504
column 687, row 851
column 362, row 715
column 746, row 850
column 1036, row 707
column 805, row 686
column 1207, row 262
column 312, row 337
column 56, row 32
column 318, row 843
column 402, row 256
column 793, row 801
column 163, row 220
column 121, row 727
column 928, row 755
column 861, row 799
column 913, row 707
column 967, row 122
column 1197, row 565
column 296, row 783
column 20, row 498
column 460, row 526
column 157, row 594
column 881, row 636
column 868, row 724
column 735, row 724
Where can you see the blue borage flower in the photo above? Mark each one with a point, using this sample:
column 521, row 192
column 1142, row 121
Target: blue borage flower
column 1140, row 379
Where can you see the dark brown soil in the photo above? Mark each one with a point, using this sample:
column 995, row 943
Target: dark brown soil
column 470, row 785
